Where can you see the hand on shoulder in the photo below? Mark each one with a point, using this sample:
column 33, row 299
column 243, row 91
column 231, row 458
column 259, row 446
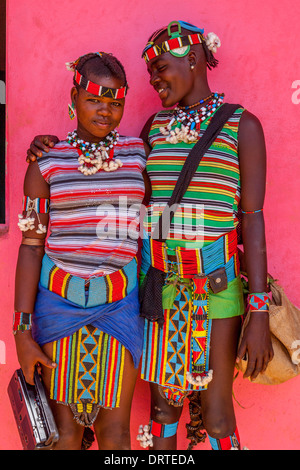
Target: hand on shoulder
column 40, row 143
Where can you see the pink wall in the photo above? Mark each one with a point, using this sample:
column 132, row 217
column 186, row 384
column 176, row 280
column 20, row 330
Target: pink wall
column 259, row 62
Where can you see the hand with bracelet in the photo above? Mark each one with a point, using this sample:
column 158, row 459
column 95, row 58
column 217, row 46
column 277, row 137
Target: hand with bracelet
column 256, row 346
column 28, row 351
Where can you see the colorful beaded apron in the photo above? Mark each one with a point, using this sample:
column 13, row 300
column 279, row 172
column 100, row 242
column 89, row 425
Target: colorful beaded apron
column 175, row 354
column 90, row 363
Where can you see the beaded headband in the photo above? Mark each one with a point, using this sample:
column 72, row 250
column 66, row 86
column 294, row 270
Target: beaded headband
column 93, row 88
column 177, row 45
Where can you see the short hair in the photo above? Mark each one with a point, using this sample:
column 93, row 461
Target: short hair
column 101, row 64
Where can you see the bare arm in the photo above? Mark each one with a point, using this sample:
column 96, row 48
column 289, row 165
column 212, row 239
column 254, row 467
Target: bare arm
column 27, row 277
column 252, row 155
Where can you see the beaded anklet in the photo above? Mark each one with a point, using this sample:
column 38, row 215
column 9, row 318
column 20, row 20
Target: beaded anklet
column 146, row 433
column 226, row 443
column 163, row 430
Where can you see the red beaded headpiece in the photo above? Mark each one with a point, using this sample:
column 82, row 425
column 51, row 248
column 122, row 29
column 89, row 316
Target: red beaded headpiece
column 177, row 45
column 93, row 88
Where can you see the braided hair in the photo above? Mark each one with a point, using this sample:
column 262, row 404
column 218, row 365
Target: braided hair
column 101, row 64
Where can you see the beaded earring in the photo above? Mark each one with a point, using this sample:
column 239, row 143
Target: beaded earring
column 71, row 110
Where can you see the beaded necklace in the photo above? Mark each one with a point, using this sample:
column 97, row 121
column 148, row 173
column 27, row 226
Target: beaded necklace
column 94, row 157
column 188, row 120
column 186, row 108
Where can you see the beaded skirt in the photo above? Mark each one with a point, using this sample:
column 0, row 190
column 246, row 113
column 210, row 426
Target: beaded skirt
column 89, row 373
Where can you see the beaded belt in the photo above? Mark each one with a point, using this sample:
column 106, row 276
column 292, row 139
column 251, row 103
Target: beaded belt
column 91, row 292
column 192, row 262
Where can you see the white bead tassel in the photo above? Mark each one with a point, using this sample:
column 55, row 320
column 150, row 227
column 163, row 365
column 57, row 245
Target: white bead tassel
column 112, row 165
column 199, row 380
column 213, row 42
column 28, row 223
column 144, row 436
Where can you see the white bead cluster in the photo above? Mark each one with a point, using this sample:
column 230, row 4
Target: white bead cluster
column 28, row 223
column 144, row 436
column 199, row 380
column 182, row 134
column 188, row 120
column 41, row 229
column 213, row 42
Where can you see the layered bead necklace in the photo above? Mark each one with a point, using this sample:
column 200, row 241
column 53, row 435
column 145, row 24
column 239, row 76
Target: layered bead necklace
column 95, row 157
column 187, row 120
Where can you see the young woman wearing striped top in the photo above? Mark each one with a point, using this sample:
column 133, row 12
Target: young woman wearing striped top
column 76, row 298
column 192, row 352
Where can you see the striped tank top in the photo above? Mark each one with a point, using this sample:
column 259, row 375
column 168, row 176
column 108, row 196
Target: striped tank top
column 94, row 220
column 209, row 207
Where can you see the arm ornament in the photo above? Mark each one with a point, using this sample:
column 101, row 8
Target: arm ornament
column 21, row 321
column 37, row 205
column 251, row 212
column 33, row 241
column 259, row 301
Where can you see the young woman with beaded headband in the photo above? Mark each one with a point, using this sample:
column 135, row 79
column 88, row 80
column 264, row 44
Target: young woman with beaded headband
column 191, row 350
column 76, row 298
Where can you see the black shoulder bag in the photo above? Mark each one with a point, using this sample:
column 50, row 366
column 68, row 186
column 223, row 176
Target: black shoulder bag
column 151, row 288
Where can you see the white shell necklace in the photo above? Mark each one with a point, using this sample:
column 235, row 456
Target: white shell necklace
column 95, row 157
column 187, row 121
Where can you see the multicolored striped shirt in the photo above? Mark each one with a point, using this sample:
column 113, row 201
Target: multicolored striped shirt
column 94, row 220
column 209, row 207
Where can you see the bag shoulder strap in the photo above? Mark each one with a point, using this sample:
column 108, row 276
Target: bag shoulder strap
column 190, row 166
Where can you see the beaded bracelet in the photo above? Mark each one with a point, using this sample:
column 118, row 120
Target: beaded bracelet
column 21, row 321
column 252, row 212
column 259, row 301
column 37, row 205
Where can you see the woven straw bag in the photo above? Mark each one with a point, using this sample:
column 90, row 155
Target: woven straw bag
column 285, row 336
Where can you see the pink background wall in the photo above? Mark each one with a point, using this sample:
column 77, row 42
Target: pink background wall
column 259, row 62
